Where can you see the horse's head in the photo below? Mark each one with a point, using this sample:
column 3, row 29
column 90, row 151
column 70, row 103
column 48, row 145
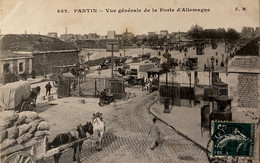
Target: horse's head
column 88, row 128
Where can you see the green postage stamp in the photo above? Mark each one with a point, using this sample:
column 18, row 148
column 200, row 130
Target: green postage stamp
column 233, row 139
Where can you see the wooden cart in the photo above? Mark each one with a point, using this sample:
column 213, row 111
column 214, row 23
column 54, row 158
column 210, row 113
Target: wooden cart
column 34, row 150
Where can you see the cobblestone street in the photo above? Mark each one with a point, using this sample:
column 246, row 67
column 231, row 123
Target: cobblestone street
column 126, row 138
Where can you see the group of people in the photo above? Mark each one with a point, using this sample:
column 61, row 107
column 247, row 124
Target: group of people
column 147, row 82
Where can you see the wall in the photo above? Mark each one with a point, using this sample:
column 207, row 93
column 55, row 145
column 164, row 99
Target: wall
column 41, row 63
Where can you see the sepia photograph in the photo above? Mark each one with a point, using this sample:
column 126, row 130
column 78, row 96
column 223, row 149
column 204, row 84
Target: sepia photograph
column 140, row 81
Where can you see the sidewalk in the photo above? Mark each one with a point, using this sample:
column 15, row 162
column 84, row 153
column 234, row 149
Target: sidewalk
column 186, row 120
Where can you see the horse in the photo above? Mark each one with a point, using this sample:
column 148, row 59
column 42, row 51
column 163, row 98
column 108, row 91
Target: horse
column 98, row 128
column 69, row 137
column 34, row 93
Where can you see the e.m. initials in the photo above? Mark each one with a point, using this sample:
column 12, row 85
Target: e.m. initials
column 240, row 9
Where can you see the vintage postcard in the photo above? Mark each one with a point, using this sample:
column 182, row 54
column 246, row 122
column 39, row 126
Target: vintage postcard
column 140, row 81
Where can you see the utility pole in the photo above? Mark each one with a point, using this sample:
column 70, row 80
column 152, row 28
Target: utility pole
column 112, row 61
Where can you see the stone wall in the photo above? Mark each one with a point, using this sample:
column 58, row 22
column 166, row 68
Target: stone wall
column 248, row 90
column 45, row 61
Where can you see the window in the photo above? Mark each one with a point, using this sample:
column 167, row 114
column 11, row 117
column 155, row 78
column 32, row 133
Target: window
column 20, row 67
column 7, row 68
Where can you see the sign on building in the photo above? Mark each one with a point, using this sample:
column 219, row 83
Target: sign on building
column 112, row 46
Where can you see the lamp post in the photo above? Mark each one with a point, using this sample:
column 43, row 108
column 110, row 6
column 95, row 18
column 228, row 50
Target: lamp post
column 166, row 67
column 189, row 74
column 44, row 62
column 99, row 70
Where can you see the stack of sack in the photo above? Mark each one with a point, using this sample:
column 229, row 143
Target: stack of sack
column 17, row 128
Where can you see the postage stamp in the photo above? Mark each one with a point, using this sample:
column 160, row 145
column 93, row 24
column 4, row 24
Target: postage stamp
column 233, row 139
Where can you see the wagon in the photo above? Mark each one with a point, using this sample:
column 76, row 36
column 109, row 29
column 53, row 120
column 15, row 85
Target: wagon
column 16, row 96
column 34, row 150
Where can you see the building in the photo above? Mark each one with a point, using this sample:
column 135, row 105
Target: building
column 45, row 52
column 257, row 31
column 247, row 33
column 151, row 34
column 53, row 34
column 12, row 64
column 164, row 32
column 111, row 35
column 244, row 75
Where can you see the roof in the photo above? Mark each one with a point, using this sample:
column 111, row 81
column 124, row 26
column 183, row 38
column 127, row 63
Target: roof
column 244, row 64
column 32, row 43
column 155, row 69
column 7, row 55
column 250, row 49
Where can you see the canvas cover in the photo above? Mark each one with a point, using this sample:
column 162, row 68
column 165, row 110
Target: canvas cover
column 12, row 94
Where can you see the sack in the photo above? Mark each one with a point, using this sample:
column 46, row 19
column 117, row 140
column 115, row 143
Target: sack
column 43, row 126
column 3, row 135
column 13, row 132
column 7, row 118
column 20, row 120
column 23, row 129
column 24, row 138
column 8, row 143
column 41, row 133
column 29, row 114
column 34, row 126
column 28, row 120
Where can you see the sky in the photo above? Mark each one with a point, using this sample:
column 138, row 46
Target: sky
column 41, row 16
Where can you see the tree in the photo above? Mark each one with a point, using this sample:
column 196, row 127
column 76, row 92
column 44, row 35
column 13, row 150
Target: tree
column 196, row 32
column 232, row 35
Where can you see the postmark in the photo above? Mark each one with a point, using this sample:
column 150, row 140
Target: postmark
column 233, row 139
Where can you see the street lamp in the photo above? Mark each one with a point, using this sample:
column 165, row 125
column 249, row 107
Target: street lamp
column 166, row 67
column 189, row 74
column 212, row 62
column 99, row 70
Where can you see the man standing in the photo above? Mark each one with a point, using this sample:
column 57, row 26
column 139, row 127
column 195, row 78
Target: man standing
column 48, row 88
column 154, row 132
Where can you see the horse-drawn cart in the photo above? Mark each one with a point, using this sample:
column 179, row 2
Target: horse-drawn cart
column 18, row 96
column 34, row 150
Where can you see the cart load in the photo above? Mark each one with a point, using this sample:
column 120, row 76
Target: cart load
column 18, row 128
column 12, row 95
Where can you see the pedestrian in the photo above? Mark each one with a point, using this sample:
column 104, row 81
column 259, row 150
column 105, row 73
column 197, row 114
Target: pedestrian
column 154, row 132
column 143, row 83
column 48, row 88
column 216, row 62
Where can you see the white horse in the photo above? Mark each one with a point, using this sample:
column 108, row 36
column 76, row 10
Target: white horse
column 99, row 130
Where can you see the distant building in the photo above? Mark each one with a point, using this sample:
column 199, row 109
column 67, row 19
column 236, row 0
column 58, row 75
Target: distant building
column 66, row 37
column 53, row 34
column 164, row 32
column 151, row 34
column 247, row 33
column 93, row 36
column 257, row 31
column 111, row 35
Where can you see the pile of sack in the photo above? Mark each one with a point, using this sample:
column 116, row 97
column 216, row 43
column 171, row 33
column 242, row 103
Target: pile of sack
column 17, row 128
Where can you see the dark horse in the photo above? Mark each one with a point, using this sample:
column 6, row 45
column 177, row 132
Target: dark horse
column 65, row 138
column 34, row 93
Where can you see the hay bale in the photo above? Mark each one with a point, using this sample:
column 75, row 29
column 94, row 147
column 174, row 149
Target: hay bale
column 34, row 126
column 43, row 126
column 3, row 135
column 7, row 118
column 13, row 132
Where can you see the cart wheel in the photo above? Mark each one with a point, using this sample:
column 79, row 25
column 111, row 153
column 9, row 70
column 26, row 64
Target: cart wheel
column 55, row 83
column 25, row 106
column 18, row 157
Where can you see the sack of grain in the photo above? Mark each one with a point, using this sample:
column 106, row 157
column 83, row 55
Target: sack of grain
column 3, row 135
column 29, row 114
column 7, row 118
column 20, row 120
column 23, row 129
column 24, row 138
column 34, row 126
column 7, row 143
column 13, row 132
column 43, row 126
column 41, row 133
column 28, row 120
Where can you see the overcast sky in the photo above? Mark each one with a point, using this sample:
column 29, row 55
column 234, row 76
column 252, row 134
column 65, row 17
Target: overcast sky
column 36, row 16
